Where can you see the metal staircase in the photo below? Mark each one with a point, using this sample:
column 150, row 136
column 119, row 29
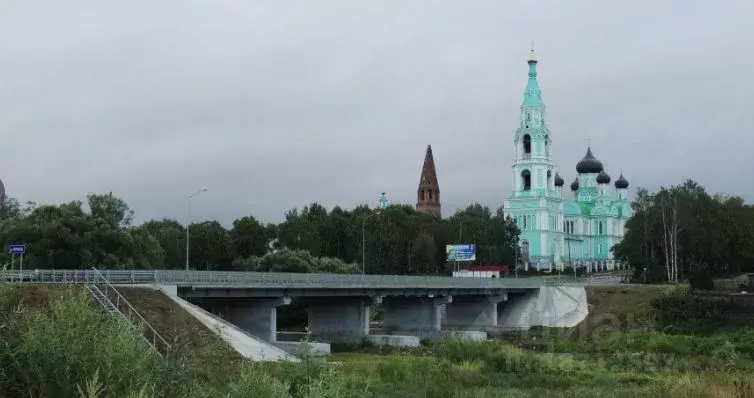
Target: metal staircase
column 105, row 293
column 104, row 301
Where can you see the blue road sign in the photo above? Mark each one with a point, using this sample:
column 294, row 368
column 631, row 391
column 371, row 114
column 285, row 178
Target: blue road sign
column 16, row 249
column 460, row 252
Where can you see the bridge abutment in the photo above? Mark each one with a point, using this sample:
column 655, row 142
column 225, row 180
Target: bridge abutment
column 340, row 319
column 415, row 315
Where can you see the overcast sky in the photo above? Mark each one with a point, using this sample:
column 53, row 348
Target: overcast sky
column 276, row 104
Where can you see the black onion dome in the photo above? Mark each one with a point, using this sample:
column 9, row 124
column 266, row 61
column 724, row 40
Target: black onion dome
column 575, row 185
column 559, row 182
column 603, row 178
column 589, row 164
column 621, row 182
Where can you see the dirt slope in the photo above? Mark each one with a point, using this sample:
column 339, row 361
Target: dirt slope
column 39, row 296
column 620, row 306
column 171, row 321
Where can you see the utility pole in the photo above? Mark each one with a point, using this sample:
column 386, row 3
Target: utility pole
column 515, row 256
column 460, row 241
column 364, row 242
column 409, row 255
column 384, row 203
column 188, row 223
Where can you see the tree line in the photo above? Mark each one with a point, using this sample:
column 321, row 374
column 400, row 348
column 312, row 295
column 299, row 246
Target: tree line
column 392, row 240
column 682, row 231
column 675, row 233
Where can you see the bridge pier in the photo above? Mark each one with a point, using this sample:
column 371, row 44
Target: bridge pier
column 473, row 312
column 340, row 319
column 257, row 316
column 416, row 315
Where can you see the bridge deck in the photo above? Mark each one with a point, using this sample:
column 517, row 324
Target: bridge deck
column 266, row 280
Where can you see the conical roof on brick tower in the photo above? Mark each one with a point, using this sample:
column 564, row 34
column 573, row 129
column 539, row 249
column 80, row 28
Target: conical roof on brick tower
column 429, row 174
column 428, row 193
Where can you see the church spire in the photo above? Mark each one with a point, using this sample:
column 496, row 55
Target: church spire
column 533, row 94
column 428, row 194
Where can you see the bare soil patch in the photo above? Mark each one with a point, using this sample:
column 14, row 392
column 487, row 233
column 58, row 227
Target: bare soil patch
column 170, row 320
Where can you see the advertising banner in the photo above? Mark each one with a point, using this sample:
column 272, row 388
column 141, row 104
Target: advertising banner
column 460, row 252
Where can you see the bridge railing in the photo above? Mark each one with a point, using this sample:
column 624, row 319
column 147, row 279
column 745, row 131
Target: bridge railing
column 229, row 278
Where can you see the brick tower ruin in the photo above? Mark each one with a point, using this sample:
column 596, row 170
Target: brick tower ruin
column 428, row 200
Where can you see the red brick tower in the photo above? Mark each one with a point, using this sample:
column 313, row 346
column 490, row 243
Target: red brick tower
column 429, row 190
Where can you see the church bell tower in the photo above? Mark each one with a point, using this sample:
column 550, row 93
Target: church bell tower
column 428, row 194
column 533, row 169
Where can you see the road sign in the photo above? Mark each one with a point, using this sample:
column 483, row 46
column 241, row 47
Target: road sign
column 460, row 252
column 16, row 249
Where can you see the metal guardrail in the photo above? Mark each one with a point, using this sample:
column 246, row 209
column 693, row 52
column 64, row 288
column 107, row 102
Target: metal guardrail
column 129, row 313
column 279, row 279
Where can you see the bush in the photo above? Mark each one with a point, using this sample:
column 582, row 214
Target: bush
column 286, row 260
column 254, row 382
column 702, row 281
column 683, row 308
column 73, row 346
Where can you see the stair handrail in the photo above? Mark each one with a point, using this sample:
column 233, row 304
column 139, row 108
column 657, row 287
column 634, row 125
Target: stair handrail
column 156, row 337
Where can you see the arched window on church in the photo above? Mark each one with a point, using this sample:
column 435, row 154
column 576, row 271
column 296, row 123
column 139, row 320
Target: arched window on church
column 527, row 144
column 549, row 179
column 430, row 194
column 526, row 180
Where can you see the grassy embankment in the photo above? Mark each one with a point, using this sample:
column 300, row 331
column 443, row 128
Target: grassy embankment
column 57, row 344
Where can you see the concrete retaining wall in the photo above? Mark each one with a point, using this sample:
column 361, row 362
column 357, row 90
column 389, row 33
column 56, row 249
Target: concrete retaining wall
column 547, row 306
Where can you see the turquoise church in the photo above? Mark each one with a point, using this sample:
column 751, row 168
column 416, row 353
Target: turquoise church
column 561, row 228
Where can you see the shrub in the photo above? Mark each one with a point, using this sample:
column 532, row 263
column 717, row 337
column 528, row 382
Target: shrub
column 56, row 353
column 286, row 260
column 255, row 382
column 683, row 308
column 702, row 280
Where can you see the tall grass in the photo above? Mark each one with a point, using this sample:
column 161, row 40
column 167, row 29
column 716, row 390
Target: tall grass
column 56, row 353
column 71, row 349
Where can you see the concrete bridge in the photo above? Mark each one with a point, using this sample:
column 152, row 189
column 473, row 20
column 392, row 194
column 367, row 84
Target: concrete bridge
column 338, row 305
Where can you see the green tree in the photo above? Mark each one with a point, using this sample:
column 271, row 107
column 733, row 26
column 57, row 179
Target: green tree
column 171, row 236
column 210, row 246
column 683, row 231
column 248, row 238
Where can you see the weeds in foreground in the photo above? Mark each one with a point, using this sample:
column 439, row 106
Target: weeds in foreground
column 72, row 349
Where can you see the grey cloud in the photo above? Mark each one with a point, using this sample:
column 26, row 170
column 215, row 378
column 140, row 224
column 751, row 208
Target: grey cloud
column 273, row 105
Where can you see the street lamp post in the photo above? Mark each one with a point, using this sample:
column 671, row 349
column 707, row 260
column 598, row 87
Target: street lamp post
column 188, row 223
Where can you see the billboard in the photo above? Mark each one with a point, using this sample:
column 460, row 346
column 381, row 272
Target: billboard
column 460, row 252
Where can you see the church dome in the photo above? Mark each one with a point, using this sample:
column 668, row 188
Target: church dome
column 558, row 180
column 575, row 185
column 621, row 182
column 603, row 178
column 589, row 164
